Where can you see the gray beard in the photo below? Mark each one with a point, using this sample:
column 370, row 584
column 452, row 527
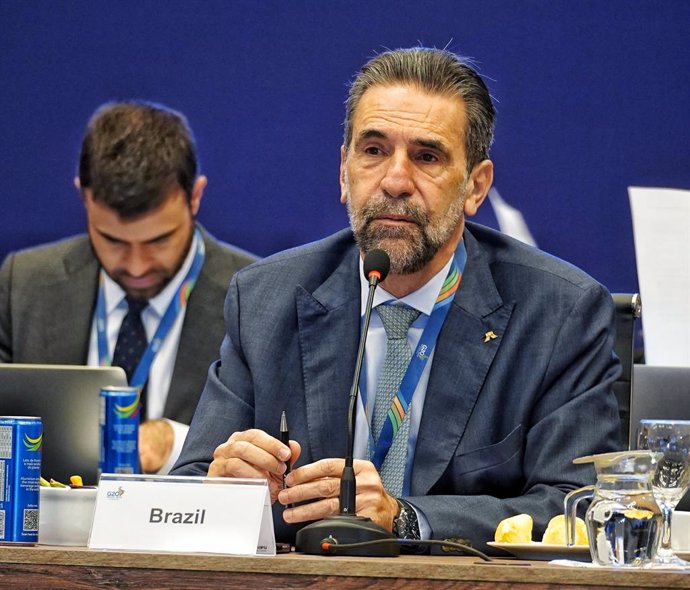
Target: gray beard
column 412, row 247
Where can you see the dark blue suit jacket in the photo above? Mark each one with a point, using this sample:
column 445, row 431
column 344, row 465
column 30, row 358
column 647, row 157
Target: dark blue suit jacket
column 503, row 418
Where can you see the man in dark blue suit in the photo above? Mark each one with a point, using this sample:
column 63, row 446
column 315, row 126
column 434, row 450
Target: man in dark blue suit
column 508, row 383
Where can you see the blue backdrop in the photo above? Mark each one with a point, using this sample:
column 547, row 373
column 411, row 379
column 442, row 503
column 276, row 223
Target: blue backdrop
column 592, row 96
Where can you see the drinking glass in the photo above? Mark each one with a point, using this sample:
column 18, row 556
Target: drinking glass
column 671, row 480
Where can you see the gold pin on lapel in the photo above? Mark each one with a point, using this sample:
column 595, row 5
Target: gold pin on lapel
column 489, row 336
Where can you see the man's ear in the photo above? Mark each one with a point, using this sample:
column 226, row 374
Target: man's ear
column 481, row 178
column 77, row 185
column 343, row 175
column 86, row 195
column 197, row 192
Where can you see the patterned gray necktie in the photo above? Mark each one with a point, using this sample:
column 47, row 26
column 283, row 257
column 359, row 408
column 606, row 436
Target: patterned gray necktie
column 397, row 320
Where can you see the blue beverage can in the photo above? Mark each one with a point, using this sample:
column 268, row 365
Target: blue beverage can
column 21, row 440
column 119, row 430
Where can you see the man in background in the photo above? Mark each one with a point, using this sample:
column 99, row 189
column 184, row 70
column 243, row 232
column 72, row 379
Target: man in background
column 144, row 289
column 488, row 364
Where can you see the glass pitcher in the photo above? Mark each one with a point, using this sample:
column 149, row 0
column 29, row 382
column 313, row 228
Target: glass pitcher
column 623, row 520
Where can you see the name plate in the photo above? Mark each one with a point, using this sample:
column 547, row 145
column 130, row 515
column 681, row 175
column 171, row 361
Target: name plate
column 183, row 514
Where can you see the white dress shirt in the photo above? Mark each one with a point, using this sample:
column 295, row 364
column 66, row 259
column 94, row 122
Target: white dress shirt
column 161, row 371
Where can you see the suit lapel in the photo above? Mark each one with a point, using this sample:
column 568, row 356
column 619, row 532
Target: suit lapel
column 203, row 320
column 203, row 329
column 329, row 322
column 461, row 362
column 69, row 309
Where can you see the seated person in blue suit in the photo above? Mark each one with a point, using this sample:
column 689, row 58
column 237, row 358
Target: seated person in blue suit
column 510, row 381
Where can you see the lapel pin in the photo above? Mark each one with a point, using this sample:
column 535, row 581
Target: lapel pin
column 489, row 336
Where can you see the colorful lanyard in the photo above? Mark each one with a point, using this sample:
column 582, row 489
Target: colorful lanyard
column 141, row 374
column 401, row 401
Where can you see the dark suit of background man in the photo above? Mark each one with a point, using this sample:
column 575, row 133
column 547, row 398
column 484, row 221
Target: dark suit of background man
column 517, row 386
column 139, row 184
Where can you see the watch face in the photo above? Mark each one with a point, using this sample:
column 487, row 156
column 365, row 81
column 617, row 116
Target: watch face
column 398, row 520
column 405, row 526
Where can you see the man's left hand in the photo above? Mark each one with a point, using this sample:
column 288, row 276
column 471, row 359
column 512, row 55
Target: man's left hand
column 156, row 440
column 320, row 482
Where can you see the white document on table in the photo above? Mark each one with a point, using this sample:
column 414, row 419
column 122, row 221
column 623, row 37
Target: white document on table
column 661, row 227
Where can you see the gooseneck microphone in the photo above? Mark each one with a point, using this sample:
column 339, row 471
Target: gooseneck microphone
column 376, row 267
column 347, row 527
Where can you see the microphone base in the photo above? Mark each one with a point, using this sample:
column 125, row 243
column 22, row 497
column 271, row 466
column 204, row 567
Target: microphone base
column 346, row 529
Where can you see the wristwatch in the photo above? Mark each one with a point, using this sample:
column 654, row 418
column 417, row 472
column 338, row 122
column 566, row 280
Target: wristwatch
column 406, row 525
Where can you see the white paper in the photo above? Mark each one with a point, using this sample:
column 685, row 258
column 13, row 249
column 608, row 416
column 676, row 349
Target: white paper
column 183, row 514
column 510, row 220
column 661, row 226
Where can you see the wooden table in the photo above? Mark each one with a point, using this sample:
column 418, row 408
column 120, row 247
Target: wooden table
column 81, row 568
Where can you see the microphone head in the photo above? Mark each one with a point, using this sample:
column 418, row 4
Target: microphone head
column 376, row 263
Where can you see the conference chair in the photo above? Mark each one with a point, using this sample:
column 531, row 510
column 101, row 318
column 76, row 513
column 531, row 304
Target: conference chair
column 628, row 309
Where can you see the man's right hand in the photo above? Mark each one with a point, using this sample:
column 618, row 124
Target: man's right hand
column 255, row 454
column 156, row 439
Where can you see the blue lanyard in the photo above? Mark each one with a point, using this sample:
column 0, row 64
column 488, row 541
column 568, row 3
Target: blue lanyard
column 141, row 374
column 425, row 346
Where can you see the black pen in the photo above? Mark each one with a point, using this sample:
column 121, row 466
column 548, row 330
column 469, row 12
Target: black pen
column 285, row 439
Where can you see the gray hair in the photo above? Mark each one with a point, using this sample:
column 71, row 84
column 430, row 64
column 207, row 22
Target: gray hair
column 436, row 71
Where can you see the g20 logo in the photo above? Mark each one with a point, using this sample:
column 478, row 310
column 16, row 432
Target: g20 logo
column 115, row 495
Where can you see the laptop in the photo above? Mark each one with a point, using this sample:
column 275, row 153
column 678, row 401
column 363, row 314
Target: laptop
column 663, row 393
column 66, row 398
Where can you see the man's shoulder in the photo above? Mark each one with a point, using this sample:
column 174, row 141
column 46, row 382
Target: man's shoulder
column 225, row 258
column 52, row 259
column 61, row 247
column 509, row 258
column 303, row 264
column 217, row 247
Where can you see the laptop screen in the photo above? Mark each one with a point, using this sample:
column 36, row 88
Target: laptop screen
column 658, row 392
column 66, row 398
column 662, row 393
